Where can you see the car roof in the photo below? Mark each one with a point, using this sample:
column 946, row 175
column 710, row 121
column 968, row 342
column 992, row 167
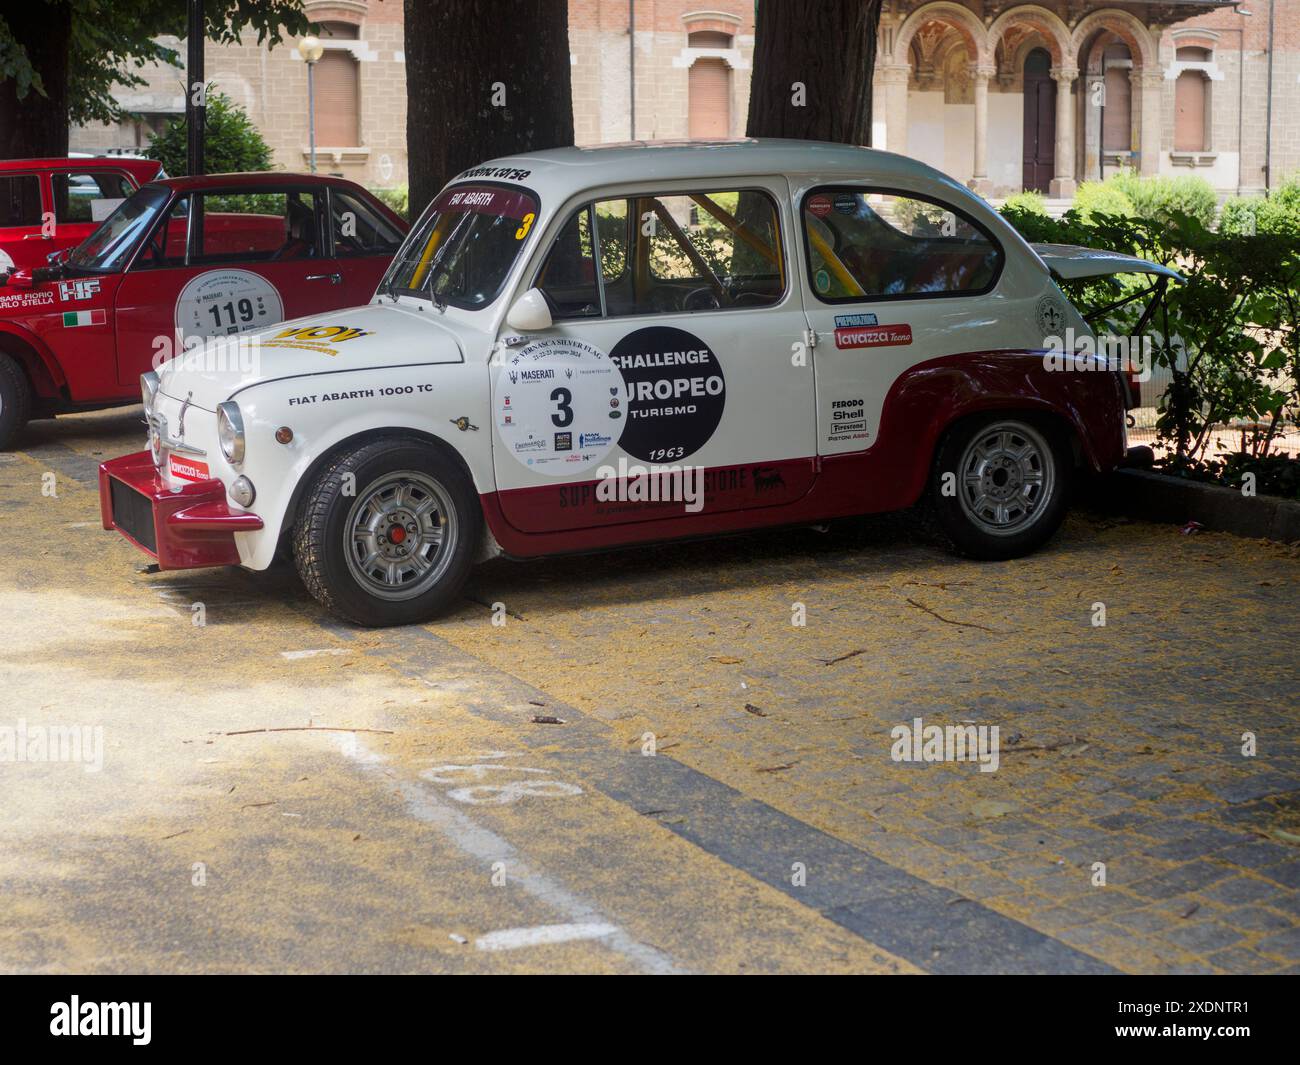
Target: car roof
column 141, row 169
column 565, row 171
column 186, row 183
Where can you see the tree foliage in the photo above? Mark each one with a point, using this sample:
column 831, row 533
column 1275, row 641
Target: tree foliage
column 232, row 143
column 103, row 44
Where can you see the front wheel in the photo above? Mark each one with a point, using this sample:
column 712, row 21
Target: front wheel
column 387, row 533
column 15, row 400
column 999, row 487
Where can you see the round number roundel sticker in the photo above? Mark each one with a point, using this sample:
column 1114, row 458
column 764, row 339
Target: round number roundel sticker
column 559, row 405
column 675, row 393
column 224, row 302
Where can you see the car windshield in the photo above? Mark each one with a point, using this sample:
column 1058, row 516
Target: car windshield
column 108, row 248
column 464, row 245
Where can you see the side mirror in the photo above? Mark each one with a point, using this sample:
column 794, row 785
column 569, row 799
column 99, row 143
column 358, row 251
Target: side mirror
column 530, row 313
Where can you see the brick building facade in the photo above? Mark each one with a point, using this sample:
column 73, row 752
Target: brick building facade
column 1002, row 95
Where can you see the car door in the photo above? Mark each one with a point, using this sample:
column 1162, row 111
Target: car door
column 674, row 347
column 890, row 279
column 24, row 241
column 364, row 240
column 224, row 262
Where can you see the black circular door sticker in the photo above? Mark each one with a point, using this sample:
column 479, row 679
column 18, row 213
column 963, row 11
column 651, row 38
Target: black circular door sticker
column 675, row 393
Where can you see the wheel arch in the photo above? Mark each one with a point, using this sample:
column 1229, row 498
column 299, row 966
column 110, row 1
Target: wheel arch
column 42, row 369
column 351, row 443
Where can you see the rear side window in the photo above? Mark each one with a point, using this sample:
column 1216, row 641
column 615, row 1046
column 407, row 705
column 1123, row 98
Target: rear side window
column 359, row 229
column 88, row 197
column 20, row 200
column 866, row 244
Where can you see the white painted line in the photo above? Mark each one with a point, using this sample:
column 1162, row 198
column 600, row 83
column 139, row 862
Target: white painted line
column 542, row 934
column 485, row 846
column 314, row 652
column 83, row 525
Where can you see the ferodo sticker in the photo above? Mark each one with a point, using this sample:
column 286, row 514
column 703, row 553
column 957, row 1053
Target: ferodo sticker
column 316, row 338
column 675, row 393
column 188, row 469
column 555, row 405
column 225, row 302
column 872, row 336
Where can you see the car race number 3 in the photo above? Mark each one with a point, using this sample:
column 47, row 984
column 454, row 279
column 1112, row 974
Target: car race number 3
column 222, row 302
column 559, row 404
column 675, row 393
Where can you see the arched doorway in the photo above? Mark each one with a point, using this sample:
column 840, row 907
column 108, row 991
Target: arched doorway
column 1040, row 121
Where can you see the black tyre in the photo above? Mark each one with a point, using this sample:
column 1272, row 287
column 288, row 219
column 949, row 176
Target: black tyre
column 15, row 400
column 1000, row 485
column 386, row 534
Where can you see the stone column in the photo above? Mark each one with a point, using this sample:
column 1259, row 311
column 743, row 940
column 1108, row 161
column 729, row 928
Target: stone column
column 1152, row 83
column 894, row 76
column 1094, row 87
column 979, row 181
column 1063, row 186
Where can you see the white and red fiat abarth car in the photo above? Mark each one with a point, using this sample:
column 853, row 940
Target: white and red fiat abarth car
column 584, row 348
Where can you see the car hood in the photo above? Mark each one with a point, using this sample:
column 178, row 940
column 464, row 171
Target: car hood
column 378, row 336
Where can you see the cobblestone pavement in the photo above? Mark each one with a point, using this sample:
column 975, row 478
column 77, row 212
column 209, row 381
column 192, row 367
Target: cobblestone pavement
column 772, row 830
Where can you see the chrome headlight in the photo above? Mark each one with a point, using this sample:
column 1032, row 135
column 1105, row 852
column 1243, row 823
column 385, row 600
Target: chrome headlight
column 149, row 383
column 230, row 432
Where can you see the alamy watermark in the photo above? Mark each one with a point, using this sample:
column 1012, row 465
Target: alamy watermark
column 22, row 742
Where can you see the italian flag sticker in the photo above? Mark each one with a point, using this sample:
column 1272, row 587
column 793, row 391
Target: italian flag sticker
column 72, row 319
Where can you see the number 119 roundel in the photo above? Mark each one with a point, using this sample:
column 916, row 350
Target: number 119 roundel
column 586, row 348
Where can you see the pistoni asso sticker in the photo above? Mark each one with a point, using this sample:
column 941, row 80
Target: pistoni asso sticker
column 675, row 393
column 872, row 336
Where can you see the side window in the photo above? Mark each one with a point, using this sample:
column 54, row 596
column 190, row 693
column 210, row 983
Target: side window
column 20, row 200
column 166, row 246
column 870, row 245
column 256, row 226
column 89, row 196
column 359, row 229
column 667, row 255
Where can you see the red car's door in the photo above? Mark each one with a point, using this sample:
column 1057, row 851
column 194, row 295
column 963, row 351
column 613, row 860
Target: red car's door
column 365, row 237
column 23, row 201
column 254, row 257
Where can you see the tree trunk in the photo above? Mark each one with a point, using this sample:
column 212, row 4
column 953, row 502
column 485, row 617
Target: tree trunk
column 812, row 70
column 482, row 81
column 37, row 125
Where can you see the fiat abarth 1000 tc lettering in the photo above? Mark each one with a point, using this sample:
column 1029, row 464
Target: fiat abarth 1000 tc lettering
column 584, row 348
column 179, row 261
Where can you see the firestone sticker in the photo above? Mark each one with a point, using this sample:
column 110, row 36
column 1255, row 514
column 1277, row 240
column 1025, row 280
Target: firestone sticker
column 555, row 403
column 225, row 302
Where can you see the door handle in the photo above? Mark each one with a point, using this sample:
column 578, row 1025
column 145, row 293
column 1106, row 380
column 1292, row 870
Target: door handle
column 37, row 236
column 334, row 279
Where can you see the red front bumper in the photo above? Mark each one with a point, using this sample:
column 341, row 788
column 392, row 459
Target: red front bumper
column 183, row 528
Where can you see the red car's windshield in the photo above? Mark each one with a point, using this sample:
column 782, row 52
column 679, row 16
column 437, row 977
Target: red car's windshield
column 108, row 248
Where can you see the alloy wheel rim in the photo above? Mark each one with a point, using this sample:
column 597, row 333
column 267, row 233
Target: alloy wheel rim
column 1008, row 478
column 400, row 535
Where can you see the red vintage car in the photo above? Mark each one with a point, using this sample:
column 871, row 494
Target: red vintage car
column 182, row 259
column 47, row 205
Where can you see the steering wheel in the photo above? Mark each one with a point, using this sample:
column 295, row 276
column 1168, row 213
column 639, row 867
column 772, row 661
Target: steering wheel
column 701, row 299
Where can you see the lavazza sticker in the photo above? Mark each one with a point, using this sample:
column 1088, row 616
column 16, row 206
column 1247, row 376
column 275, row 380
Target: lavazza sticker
column 675, row 393
column 559, row 405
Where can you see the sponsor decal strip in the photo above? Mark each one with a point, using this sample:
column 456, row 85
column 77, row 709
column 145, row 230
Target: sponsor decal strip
column 873, row 336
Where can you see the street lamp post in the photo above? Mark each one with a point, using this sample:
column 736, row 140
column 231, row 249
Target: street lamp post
column 311, row 50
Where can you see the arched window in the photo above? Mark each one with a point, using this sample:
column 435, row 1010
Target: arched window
column 709, row 88
column 1191, row 103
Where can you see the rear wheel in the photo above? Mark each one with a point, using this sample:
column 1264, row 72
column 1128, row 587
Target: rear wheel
column 387, row 533
column 15, row 400
column 1000, row 485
